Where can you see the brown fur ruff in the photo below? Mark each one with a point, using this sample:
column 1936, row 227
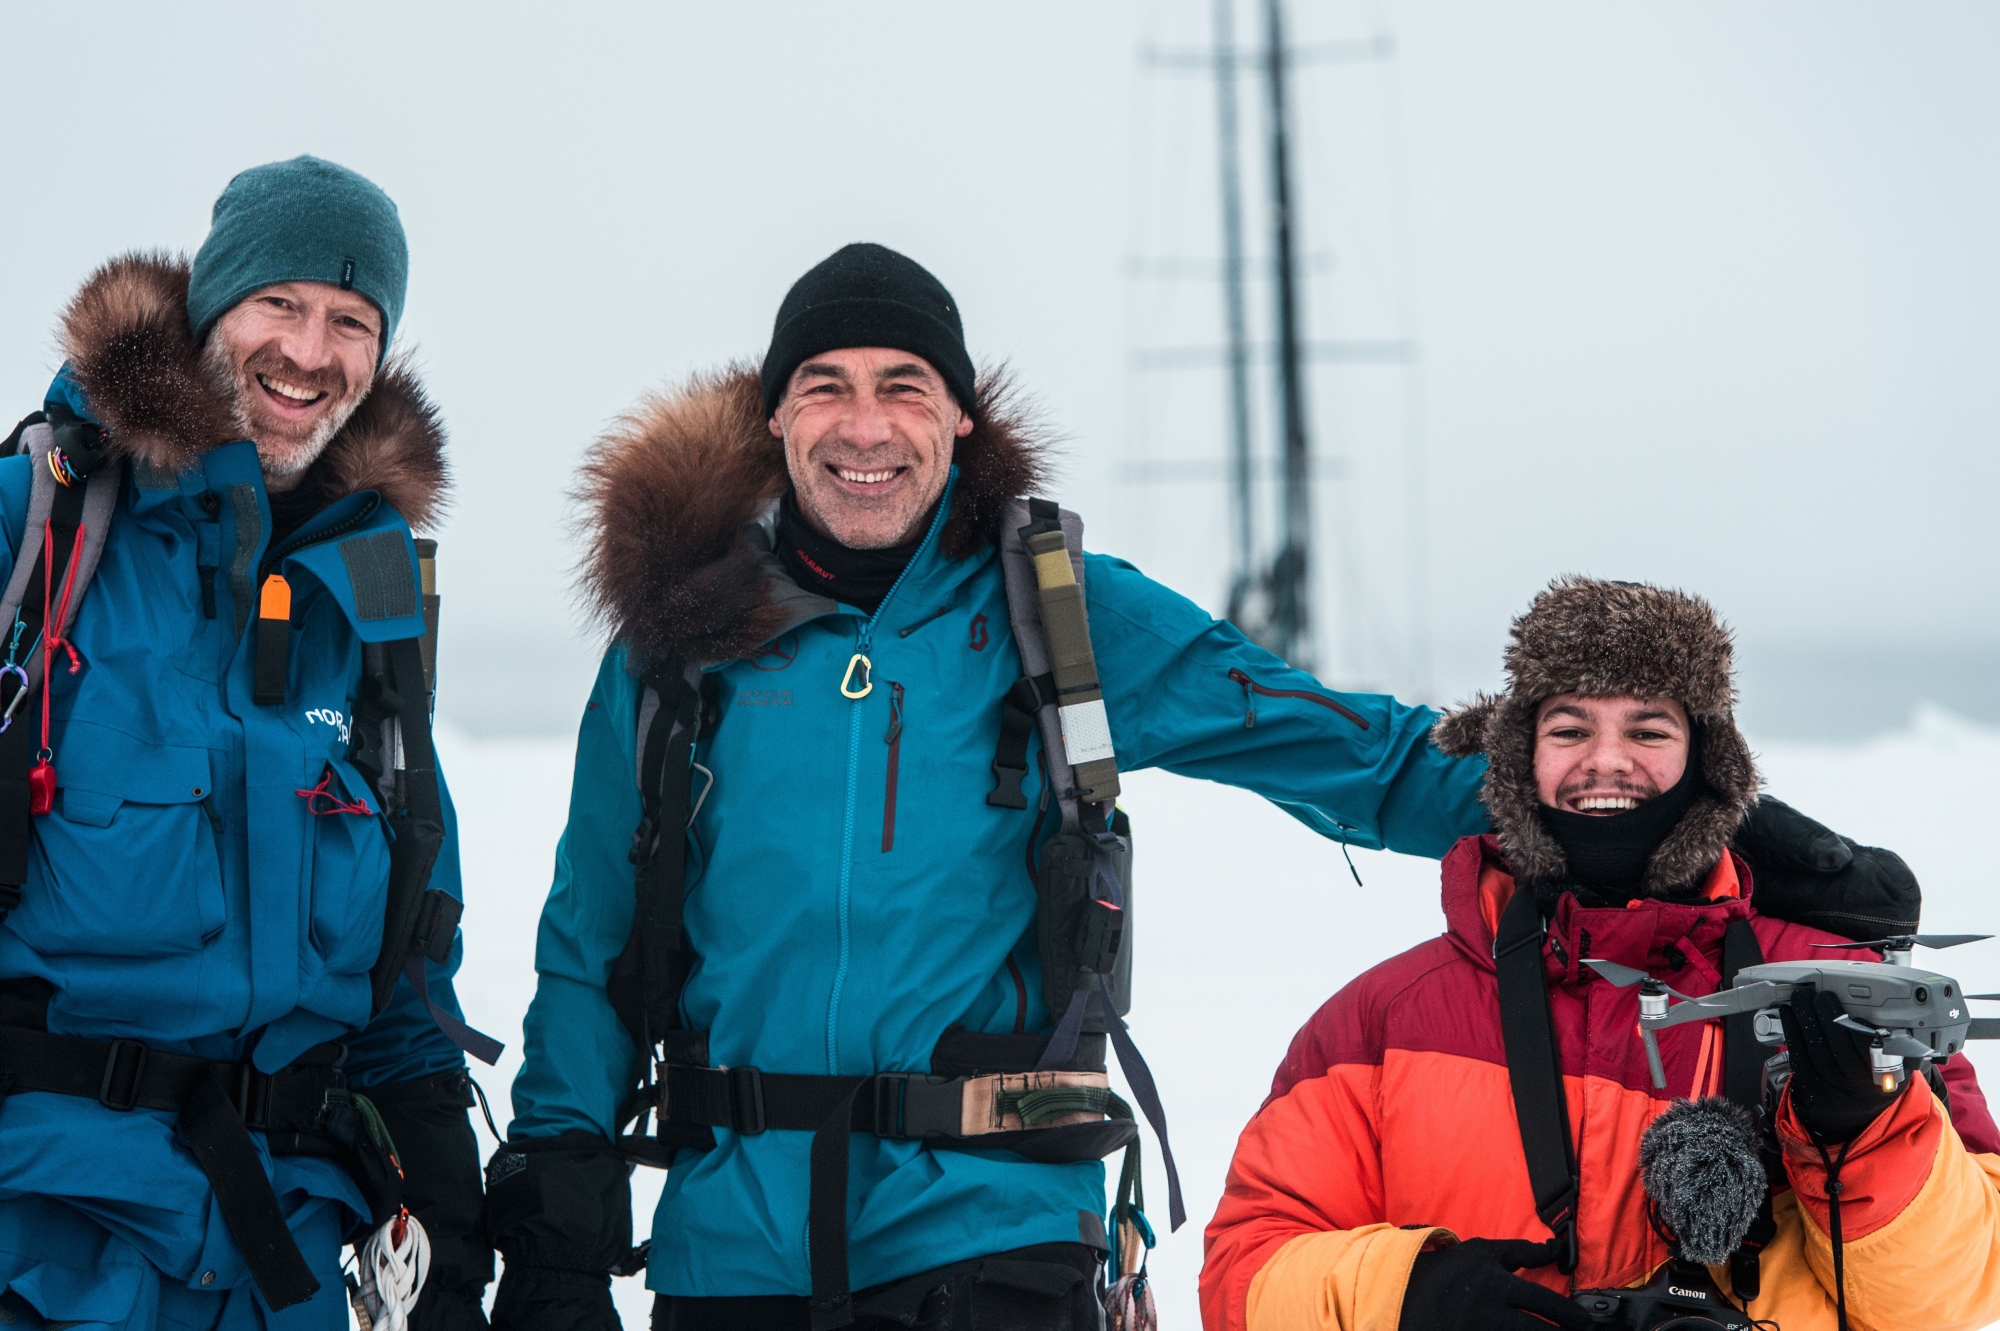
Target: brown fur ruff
column 1610, row 639
column 668, row 490
column 126, row 337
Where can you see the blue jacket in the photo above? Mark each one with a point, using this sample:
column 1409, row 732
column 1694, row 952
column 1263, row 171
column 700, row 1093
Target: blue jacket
column 851, row 898
column 181, row 893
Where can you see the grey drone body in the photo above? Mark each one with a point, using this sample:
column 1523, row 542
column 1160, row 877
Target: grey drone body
column 1919, row 1004
column 1909, row 1013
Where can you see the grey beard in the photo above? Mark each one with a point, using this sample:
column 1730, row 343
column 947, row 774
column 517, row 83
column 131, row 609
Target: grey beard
column 284, row 460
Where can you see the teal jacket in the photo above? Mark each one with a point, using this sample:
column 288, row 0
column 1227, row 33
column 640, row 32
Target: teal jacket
column 183, row 891
column 851, row 893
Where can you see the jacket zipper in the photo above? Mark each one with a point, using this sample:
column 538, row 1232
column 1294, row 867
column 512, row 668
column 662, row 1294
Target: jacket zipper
column 1252, row 687
column 861, row 645
column 894, row 739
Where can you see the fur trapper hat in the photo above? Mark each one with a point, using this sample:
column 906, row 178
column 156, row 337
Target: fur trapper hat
column 1610, row 639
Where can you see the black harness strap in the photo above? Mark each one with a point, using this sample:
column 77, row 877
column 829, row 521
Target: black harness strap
column 645, row 982
column 420, row 920
column 1743, row 1083
column 219, row 1105
column 243, row 1194
column 1536, row 1072
column 1020, row 713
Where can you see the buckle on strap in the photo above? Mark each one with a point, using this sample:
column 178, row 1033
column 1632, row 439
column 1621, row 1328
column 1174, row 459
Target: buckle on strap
column 910, row 1106
column 122, row 1053
column 746, row 1100
column 253, row 1096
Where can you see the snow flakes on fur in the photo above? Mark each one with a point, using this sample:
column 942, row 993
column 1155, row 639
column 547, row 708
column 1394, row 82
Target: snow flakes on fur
column 669, row 489
column 1609, row 639
column 126, row 336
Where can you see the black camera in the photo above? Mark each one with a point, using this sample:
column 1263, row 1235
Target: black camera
column 1681, row 1297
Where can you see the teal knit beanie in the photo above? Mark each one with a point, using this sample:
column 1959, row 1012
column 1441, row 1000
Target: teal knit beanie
column 306, row 220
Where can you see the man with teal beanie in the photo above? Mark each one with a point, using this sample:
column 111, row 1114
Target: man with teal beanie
column 306, row 220
column 229, row 1043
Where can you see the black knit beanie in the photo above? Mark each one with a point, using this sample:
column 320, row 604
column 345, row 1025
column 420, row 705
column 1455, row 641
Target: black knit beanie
column 868, row 296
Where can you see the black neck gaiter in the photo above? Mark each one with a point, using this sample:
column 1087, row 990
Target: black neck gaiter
column 1609, row 852
column 821, row 564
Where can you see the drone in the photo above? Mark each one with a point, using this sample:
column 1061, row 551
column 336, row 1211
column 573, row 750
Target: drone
column 1906, row 1012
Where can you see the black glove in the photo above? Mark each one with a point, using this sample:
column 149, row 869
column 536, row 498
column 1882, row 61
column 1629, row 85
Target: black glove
column 559, row 1209
column 1807, row 873
column 1833, row 1088
column 427, row 1120
column 1472, row 1284
column 537, row 1298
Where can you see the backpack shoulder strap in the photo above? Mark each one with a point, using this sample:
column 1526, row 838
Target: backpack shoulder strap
column 1059, row 689
column 73, row 493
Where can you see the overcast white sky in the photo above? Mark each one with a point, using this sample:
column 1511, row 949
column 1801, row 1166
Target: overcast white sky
column 1704, row 293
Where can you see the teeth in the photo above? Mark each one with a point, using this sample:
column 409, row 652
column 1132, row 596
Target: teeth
column 866, row 477
column 283, row 389
column 1608, row 802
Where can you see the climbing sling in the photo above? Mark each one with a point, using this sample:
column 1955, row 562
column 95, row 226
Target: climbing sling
column 1045, row 1097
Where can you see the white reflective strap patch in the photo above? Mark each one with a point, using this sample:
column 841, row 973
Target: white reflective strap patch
column 1086, row 732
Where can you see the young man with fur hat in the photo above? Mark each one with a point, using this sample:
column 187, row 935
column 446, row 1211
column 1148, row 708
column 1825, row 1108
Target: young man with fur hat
column 802, row 563
column 187, row 1011
column 1385, row 1183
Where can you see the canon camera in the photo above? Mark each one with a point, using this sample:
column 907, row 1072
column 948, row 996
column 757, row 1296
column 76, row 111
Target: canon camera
column 1681, row 1297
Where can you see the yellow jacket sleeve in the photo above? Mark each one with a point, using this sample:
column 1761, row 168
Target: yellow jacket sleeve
column 1343, row 1280
column 1920, row 1244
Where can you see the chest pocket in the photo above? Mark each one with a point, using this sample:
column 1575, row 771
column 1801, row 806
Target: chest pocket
column 350, row 882
column 125, row 865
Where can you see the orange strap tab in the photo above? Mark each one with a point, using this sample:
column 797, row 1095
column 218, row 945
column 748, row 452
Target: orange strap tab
column 276, row 601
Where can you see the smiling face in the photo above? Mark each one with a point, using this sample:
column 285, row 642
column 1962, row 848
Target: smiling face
column 1607, row 755
column 296, row 360
column 868, row 440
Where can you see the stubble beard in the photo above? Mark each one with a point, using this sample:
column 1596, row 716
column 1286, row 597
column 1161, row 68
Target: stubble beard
column 283, row 450
column 836, row 512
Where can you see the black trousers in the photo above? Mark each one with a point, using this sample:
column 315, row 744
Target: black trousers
column 1049, row 1287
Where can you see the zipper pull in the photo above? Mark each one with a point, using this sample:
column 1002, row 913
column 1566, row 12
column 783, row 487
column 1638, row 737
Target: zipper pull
column 895, row 714
column 1249, row 700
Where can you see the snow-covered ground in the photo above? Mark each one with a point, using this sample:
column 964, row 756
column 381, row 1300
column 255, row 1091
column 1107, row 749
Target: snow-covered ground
column 1246, row 921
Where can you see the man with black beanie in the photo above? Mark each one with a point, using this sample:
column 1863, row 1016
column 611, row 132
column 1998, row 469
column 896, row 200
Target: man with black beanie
column 862, row 984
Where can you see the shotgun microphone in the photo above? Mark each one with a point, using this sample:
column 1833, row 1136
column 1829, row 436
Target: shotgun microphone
column 1700, row 1164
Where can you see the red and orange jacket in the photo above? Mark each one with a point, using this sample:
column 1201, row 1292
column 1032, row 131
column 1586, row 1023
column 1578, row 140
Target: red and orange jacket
column 1390, row 1126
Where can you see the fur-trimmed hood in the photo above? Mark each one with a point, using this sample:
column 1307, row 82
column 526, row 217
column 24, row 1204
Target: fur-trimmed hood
column 1607, row 639
column 126, row 337
column 670, row 492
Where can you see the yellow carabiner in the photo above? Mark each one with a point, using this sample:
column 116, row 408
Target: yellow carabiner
column 867, row 669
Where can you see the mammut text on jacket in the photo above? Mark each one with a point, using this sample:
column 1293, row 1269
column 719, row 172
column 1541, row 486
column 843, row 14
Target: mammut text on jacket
column 184, row 891
column 851, row 893
column 1392, row 1117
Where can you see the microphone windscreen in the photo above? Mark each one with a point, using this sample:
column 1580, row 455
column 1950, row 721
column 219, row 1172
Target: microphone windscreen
column 1700, row 1165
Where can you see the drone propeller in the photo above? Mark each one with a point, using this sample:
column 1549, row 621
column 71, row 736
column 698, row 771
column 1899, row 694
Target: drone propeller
column 1903, row 942
column 1990, row 998
column 1626, row 976
column 1894, row 1042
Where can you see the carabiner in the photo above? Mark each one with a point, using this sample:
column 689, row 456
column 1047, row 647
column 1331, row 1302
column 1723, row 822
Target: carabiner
column 867, row 669
column 14, row 704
